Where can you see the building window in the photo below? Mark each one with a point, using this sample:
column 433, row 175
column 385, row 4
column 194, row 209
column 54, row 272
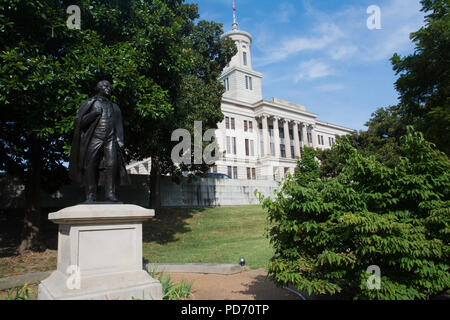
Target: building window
column 272, row 149
column 271, row 131
column 227, row 122
column 245, row 58
column 233, row 126
column 283, row 150
column 250, row 126
column 248, row 83
column 213, row 169
column 286, row 171
column 331, row 141
column 226, row 84
column 235, row 172
column 230, row 172
column 309, row 137
column 281, row 133
column 251, row 173
column 292, row 152
column 245, row 125
column 231, row 145
column 247, row 148
column 320, row 139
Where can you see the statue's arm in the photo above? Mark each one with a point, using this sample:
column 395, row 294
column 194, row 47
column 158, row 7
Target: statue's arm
column 88, row 118
column 119, row 128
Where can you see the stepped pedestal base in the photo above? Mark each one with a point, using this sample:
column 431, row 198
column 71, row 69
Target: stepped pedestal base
column 100, row 255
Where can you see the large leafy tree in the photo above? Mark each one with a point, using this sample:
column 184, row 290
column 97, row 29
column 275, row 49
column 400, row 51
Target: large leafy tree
column 327, row 232
column 423, row 86
column 381, row 140
column 424, row 81
column 162, row 63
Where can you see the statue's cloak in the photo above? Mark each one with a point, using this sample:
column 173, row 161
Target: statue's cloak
column 82, row 138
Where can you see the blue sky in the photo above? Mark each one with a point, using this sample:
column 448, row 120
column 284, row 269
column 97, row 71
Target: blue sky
column 321, row 54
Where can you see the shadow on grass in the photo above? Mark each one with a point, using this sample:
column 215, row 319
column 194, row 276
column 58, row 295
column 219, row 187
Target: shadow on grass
column 161, row 229
column 167, row 223
column 11, row 225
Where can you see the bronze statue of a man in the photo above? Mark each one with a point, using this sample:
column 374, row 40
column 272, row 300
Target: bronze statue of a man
column 96, row 157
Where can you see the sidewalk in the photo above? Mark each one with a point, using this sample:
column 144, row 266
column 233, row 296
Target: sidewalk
column 249, row 285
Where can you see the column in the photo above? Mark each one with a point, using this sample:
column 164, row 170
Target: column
column 305, row 135
column 266, row 135
column 314, row 137
column 287, row 139
column 296, row 140
column 276, row 134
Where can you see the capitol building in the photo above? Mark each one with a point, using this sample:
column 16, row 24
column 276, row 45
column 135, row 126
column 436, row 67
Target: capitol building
column 259, row 139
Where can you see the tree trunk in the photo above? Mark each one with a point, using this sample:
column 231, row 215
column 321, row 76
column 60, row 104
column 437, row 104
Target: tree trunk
column 155, row 183
column 31, row 238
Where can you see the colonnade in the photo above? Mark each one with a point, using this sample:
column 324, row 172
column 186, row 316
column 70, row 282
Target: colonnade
column 286, row 125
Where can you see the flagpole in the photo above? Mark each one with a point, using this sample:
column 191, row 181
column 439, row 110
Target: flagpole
column 235, row 25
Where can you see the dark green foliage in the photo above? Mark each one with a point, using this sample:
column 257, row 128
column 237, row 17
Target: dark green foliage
column 172, row 291
column 19, row 293
column 327, row 232
column 307, row 168
column 163, row 67
column 381, row 140
column 424, row 82
column 423, row 86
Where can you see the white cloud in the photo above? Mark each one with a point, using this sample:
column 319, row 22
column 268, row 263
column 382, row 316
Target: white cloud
column 397, row 41
column 342, row 51
column 312, row 69
column 286, row 10
column 326, row 34
column 341, row 34
column 399, row 18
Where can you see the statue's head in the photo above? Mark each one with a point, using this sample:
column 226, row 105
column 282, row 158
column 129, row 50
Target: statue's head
column 104, row 88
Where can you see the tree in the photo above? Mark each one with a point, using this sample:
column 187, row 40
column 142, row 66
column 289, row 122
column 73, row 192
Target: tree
column 423, row 86
column 424, row 82
column 307, row 167
column 163, row 67
column 327, row 232
column 381, row 140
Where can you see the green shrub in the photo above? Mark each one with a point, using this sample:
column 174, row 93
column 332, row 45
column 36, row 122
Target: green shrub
column 173, row 291
column 19, row 293
column 327, row 232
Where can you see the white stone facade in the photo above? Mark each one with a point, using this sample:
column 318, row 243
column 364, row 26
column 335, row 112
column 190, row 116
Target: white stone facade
column 260, row 150
column 252, row 135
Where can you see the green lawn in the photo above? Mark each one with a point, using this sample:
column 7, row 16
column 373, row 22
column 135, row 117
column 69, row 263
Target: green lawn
column 209, row 235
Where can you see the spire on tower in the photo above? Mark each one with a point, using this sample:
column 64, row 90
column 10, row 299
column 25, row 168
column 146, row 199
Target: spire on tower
column 235, row 25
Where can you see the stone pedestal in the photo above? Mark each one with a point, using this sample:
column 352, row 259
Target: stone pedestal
column 100, row 255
